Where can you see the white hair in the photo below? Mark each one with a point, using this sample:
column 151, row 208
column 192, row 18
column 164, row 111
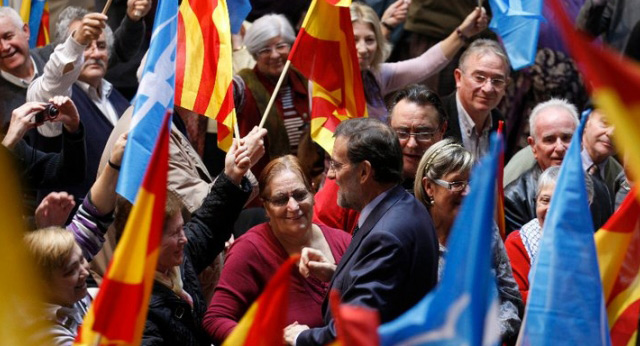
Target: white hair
column 12, row 15
column 72, row 14
column 550, row 177
column 266, row 28
column 553, row 103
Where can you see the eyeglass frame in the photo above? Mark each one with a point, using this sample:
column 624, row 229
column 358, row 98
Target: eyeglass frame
column 485, row 79
column 449, row 184
column 289, row 195
column 279, row 48
column 416, row 135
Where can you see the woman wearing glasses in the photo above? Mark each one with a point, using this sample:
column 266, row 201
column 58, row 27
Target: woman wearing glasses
column 442, row 181
column 269, row 41
column 254, row 257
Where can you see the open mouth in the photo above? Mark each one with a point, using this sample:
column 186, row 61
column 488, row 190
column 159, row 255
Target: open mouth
column 8, row 55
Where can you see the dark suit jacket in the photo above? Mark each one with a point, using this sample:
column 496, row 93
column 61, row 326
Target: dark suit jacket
column 453, row 123
column 391, row 263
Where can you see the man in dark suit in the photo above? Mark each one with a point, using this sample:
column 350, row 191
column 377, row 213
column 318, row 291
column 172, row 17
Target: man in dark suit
column 391, row 262
column 481, row 79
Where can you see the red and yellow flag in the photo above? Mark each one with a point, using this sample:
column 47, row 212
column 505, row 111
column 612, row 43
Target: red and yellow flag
column 355, row 325
column 325, row 53
column 119, row 312
column 613, row 81
column 203, row 64
column 36, row 14
column 618, row 246
column 263, row 324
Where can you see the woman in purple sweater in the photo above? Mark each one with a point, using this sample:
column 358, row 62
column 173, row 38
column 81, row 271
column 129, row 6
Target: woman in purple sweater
column 254, row 257
column 380, row 78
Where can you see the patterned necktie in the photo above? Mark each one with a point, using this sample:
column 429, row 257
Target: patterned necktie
column 594, row 171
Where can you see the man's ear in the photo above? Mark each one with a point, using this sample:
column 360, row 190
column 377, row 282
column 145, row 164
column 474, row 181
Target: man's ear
column 457, row 75
column 25, row 29
column 532, row 143
column 365, row 171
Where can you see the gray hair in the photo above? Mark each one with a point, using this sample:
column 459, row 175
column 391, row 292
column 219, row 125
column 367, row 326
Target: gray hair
column 442, row 158
column 483, row 47
column 550, row 177
column 12, row 15
column 265, row 28
column 363, row 13
column 553, row 103
column 72, row 14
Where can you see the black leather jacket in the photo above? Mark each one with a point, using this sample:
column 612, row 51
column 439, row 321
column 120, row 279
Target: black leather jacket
column 171, row 321
column 520, row 201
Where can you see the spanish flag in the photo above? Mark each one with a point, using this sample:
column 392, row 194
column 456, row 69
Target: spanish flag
column 614, row 82
column 119, row 312
column 263, row 324
column 355, row 325
column 618, row 246
column 203, row 64
column 325, row 53
column 36, row 13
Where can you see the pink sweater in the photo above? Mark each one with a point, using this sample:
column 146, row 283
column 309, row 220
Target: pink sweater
column 251, row 262
column 396, row 75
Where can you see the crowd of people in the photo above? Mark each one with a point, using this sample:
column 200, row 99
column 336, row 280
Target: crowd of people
column 370, row 219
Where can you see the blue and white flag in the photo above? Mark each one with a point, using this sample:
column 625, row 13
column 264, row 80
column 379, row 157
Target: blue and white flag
column 153, row 99
column 238, row 12
column 566, row 302
column 518, row 24
column 463, row 308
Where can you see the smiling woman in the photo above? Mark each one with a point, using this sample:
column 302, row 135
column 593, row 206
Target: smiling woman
column 255, row 256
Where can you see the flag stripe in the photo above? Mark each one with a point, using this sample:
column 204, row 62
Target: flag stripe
column 625, row 327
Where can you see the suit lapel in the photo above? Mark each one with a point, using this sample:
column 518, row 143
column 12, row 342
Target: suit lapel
column 394, row 195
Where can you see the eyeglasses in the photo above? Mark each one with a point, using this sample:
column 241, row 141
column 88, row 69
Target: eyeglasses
column 480, row 80
column 335, row 165
column 281, row 48
column 455, row 186
column 424, row 136
column 281, row 200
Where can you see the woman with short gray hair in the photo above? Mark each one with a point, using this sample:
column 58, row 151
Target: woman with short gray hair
column 442, row 182
column 523, row 245
column 269, row 41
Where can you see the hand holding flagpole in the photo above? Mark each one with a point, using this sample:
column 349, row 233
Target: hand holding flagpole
column 275, row 93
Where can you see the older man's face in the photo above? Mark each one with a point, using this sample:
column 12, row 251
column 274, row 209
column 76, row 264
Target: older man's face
column 597, row 137
column 553, row 129
column 422, row 124
column 14, row 47
column 96, row 57
column 481, row 83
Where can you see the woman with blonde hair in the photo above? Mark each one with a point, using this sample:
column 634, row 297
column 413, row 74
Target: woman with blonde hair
column 442, row 182
column 381, row 78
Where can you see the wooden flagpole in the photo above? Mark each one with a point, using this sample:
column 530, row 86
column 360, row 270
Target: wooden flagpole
column 275, row 93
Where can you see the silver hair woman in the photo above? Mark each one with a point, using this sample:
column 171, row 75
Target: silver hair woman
column 269, row 40
column 379, row 78
column 523, row 245
column 442, row 182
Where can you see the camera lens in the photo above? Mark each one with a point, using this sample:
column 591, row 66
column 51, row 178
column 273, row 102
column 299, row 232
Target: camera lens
column 51, row 111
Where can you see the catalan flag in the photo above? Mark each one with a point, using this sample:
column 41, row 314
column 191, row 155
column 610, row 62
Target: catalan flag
column 21, row 312
column 618, row 246
column 355, row 325
column 263, row 324
column 203, row 68
column 325, row 52
column 119, row 312
column 153, row 99
column 613, row 81
column 36, row 13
